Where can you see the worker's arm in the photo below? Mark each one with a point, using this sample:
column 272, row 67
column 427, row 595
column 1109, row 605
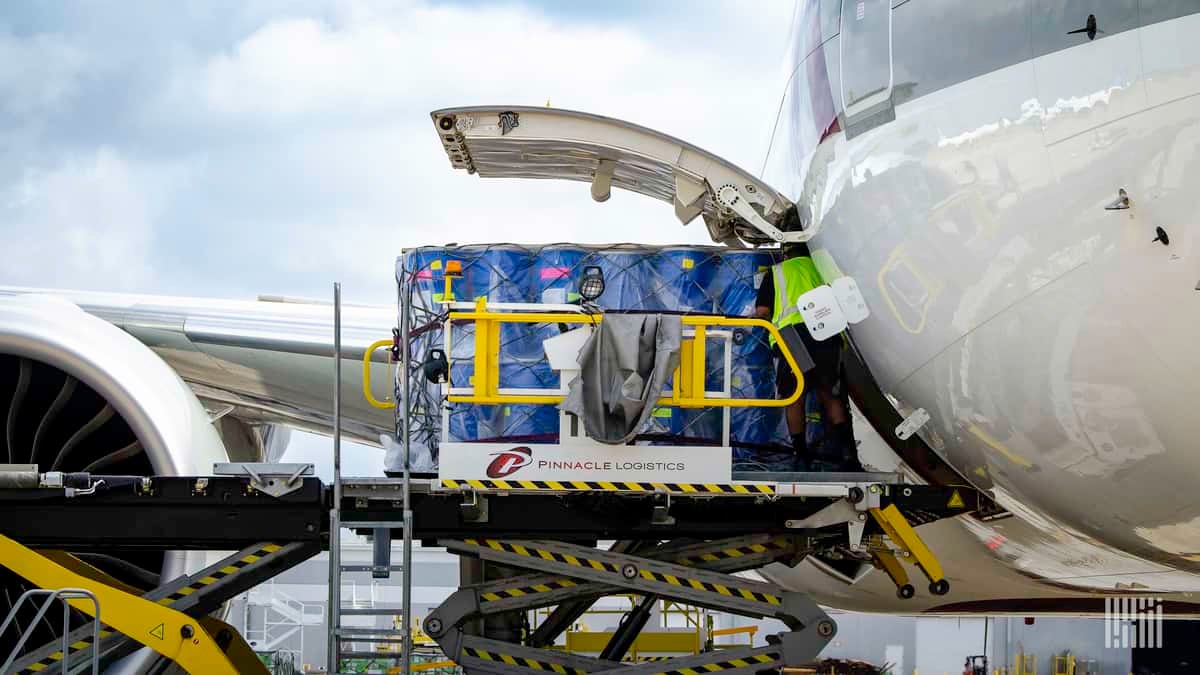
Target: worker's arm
column 765, row 301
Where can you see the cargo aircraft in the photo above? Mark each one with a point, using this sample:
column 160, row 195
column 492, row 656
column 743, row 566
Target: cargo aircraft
column 1012, row 186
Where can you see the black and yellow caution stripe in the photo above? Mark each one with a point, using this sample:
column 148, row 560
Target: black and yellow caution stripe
column 777, row 544
column 511, row 660
column 720, row 589
column 605, row 566
column 611, row 486
column 51, row 659
column 731, row 664
column 532, row 589
column 232, row 568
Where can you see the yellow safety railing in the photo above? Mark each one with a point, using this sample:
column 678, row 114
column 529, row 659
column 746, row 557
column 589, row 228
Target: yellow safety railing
column 366, row 378
column 688, row 391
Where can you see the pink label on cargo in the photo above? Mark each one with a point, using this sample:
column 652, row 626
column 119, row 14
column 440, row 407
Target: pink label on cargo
column 556, row 272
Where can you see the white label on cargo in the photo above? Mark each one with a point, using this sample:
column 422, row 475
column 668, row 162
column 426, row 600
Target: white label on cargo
column 584, row 461
column 554, row 296
column 853, row 305
column 822, row 315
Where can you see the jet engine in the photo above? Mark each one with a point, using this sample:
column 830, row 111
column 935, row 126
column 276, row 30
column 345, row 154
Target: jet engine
column 79, row 394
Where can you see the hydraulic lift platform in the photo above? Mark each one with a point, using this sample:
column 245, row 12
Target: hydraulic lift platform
column 559, row 540
column 679, row 542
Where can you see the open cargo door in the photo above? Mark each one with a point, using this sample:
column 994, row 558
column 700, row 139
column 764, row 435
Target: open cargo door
column 526, row 142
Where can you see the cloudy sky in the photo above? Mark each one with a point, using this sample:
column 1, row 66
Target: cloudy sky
column 232, row 148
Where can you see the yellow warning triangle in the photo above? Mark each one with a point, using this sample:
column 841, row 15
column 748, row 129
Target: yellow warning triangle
column 157, row 631
column 956, row 501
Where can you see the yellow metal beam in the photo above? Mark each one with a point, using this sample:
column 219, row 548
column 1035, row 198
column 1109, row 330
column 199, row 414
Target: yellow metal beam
column 897, row 528
column 740, row 630
column 673, row 642
column 168, row 632
column 419, row 667
column 84, row 569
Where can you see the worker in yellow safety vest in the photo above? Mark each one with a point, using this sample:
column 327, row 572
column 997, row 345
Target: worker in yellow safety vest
column 836, row 449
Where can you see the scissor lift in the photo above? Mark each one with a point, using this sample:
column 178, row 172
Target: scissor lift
column 699, row 575
column 692, row 544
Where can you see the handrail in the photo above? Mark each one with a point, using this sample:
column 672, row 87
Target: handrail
column 738, row 630
column 689, row 376
column 375, row 346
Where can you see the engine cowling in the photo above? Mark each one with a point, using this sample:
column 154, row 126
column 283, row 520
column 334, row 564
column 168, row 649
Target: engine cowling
column 79, row 394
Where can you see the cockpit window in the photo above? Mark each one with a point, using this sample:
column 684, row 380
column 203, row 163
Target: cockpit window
column 831, row 18
column 814, row 23
column 866, row 52
column 811, row 103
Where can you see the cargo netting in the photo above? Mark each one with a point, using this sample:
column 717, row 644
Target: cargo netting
column 673, row 279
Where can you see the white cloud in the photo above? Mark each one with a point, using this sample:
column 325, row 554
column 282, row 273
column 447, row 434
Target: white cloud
column 336, row 109
column 86, row 223
column 37, row 73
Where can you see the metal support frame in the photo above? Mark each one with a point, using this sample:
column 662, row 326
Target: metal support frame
column 571, row 573
column 567, row 613
column 402, row 422
column 790, row 519
column 333, row 608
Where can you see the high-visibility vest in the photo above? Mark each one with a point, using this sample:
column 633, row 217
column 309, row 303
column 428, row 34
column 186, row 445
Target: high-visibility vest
column 793, row 277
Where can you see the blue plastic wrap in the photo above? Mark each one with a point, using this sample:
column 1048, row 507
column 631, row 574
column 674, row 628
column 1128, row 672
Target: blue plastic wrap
column 628, row 278
column 683, row 279
column 521, row 421
column 755, row 426
column 736, row 287
column 499, row 273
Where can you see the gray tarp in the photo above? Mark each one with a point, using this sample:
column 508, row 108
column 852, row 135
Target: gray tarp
column 625, row 366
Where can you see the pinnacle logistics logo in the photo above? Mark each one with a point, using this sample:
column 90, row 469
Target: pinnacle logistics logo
column 507, row 462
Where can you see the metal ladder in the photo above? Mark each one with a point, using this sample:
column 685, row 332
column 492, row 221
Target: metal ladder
column 380, row 567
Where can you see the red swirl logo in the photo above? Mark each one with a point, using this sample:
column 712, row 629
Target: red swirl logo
column 507, row 462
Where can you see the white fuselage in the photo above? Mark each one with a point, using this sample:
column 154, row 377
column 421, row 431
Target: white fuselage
column 1052, row 341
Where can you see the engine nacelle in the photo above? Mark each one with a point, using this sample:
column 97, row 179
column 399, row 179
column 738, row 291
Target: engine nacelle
column 163, row 414
column 79, row 394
